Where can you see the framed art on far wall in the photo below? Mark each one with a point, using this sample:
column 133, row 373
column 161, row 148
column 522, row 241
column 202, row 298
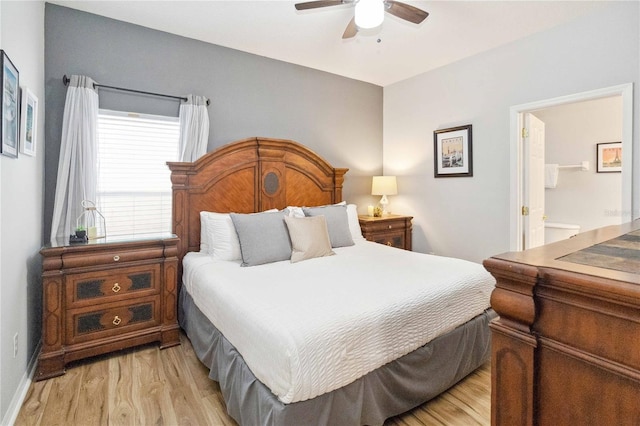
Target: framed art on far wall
column 452, row 152
column 28, row 122
column 609, row 157
column 9, row 108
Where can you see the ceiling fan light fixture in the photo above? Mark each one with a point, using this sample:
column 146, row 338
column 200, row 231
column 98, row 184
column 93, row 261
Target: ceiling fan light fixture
column 369, row 13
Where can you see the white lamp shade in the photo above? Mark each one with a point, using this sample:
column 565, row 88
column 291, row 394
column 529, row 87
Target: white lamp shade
column 369, row 13
column 384, row 185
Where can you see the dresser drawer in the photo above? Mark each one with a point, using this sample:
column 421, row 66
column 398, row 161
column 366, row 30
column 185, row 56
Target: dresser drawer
column 111, row 285
column 84, row 325
column 110, row 257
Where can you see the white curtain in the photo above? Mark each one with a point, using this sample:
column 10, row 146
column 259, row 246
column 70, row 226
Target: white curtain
column 77, row 174
column 194, row 128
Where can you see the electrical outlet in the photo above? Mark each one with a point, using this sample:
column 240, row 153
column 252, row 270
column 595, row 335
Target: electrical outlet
column 15, row 345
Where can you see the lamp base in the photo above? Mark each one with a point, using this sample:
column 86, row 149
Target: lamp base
column 384, row 203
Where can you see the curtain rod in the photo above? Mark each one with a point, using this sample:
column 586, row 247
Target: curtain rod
column 66, row 81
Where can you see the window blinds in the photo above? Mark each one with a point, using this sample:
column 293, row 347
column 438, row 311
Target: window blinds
column 134, row 186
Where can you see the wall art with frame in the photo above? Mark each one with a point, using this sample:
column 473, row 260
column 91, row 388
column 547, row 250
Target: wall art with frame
column 609, row 157
column 452, row 152
column 28, row 122
column 9, row 109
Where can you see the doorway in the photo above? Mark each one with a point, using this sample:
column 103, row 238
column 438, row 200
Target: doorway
column 519, row 157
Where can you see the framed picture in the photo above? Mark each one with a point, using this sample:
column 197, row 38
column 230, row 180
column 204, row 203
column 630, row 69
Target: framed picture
column 9, row 108
column 609, row 157
column 452, row 152
column 28, row 122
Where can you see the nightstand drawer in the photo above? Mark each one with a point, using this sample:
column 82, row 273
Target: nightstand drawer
column 391, row 230
column 112, row 285
column 110, row 257
column 387, row 226
column 396, row 240
column 85, row 325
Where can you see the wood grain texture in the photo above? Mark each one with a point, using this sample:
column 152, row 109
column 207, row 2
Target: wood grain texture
column 146, row 385
column 105, row 296
column 232, row 179
column 560, row 316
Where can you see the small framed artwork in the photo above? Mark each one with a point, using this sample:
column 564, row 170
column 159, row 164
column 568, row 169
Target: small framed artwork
column 609, row 157
column 9, row 107
column 452, row 152
column 28, row 122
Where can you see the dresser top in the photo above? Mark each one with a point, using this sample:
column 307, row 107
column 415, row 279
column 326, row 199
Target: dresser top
column 120, row 239
column 589, row 253
column 386, row 217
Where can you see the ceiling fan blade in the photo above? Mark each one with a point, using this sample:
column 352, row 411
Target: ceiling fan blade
column 351, row 30
column 318, row 3
column 406, row 12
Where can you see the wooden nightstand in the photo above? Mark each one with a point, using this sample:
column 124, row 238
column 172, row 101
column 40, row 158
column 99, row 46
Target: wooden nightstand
column 107, row 295
column 392, row 230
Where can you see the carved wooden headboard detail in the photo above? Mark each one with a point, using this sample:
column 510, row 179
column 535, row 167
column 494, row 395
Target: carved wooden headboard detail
column 248, row 176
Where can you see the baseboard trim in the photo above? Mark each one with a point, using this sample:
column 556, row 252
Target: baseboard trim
column 21, row 392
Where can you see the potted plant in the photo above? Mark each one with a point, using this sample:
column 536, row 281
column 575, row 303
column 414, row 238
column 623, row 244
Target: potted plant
column 80, row 235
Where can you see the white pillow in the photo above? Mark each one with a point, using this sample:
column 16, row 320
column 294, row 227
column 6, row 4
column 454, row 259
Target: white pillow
column 205, row 234
column 220, row 238
column 354, row 223
column 294, row 211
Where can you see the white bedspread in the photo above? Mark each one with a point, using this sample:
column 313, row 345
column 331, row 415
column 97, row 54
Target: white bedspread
column 312, row 327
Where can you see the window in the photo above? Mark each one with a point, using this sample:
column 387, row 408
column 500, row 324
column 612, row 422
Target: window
column 134, row 183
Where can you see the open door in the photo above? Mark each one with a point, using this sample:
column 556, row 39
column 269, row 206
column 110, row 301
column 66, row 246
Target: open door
column 533, row 191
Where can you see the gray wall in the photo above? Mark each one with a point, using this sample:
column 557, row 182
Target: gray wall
column 469, row 217
column 22, row 37
column 338, row 118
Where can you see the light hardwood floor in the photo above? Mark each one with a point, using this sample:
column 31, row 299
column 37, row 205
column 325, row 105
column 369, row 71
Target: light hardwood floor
column 149, row 386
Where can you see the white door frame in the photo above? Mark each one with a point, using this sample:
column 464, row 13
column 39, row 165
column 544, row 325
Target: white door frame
column 516, row 152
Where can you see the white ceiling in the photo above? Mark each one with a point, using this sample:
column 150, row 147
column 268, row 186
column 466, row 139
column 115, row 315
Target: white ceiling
column 396, row 51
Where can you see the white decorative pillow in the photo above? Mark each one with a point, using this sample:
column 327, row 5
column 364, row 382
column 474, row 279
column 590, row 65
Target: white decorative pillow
column 309, row 237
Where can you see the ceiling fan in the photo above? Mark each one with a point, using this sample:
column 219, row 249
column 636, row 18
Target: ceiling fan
column 369, row 13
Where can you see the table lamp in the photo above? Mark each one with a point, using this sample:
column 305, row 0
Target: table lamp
column 384, row 185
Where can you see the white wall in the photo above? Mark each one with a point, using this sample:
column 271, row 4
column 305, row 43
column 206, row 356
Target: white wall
column 22, row 38
column 468, row 217
column 584, row 198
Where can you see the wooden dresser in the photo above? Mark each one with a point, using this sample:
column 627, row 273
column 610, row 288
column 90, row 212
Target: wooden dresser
column 392, row 230
column 566, row 348
column 107, row 295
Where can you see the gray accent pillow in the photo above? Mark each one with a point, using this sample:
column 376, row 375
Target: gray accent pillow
column 263, row 237
column 337, row 223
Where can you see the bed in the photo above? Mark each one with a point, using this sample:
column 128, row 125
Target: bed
column 350, row 335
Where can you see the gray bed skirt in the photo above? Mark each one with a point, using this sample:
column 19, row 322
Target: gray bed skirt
column 385, row 392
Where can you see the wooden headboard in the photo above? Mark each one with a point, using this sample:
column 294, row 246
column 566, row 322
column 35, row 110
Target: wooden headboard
column 248, row 176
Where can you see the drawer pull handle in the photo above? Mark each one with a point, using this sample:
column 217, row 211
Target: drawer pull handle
column 389, row 226
column 116, row 320
column 115, row 288
column 116, row 258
